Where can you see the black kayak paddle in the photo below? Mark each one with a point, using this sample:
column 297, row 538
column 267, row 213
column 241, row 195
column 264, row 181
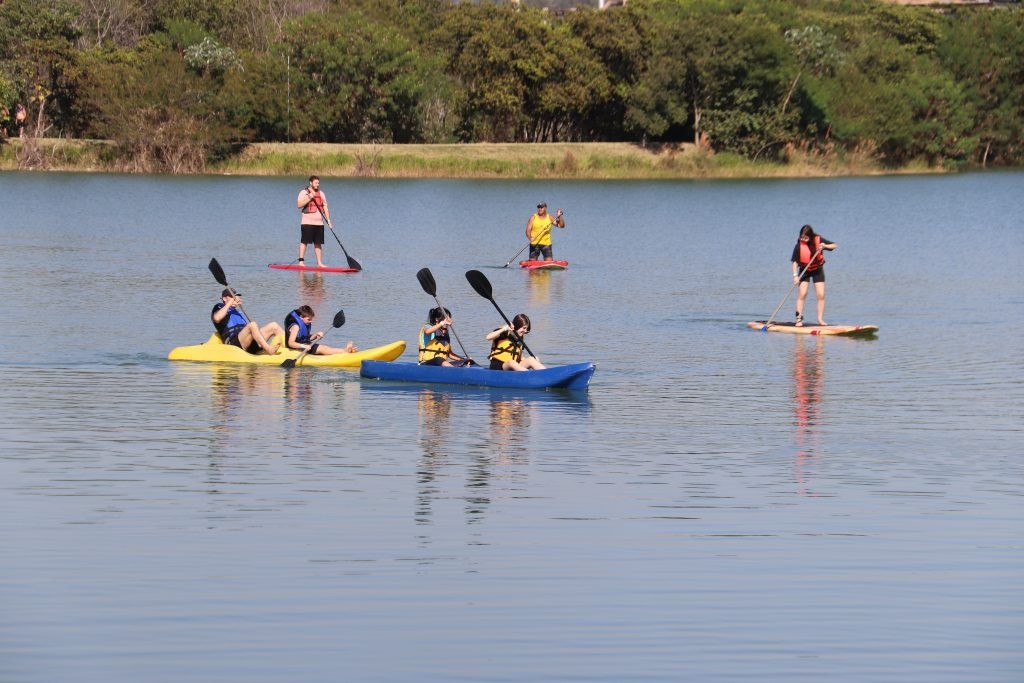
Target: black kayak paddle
column 482, row 286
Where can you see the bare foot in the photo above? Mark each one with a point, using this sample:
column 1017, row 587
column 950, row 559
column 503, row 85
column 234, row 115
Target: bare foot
column 350, row 348
column 272, row 349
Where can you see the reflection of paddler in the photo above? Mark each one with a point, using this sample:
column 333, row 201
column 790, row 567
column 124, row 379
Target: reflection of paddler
column 808, row 381
column 311, row 287
column 242, row 396
column 509, row 419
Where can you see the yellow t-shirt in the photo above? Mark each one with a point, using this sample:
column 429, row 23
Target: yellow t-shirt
column 540, row 229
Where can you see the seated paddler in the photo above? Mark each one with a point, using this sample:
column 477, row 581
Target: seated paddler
column 507, row 346
column 300, row 335
column 435, row 342
column 236, row 329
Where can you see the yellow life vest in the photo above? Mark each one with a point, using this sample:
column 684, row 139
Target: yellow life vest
column 540, row 229
column 436, row 345
column 506, row 348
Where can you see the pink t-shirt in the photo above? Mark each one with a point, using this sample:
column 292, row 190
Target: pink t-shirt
column 312, row 218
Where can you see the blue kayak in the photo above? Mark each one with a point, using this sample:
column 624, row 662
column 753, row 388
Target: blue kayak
column 576, row 376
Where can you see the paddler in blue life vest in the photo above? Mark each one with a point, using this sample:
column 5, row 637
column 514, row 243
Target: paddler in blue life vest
column 299, row 334
column 808, row 254
column 538, row 231
column 236, row 329
column 507, row 346
column 313, row 205
column 435, row 342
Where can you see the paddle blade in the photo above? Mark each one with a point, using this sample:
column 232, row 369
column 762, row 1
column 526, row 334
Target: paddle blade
column 426, row 279
column 218, row 272
column 339, row 318
column 352, row 263
column 479, row 282
column 289, row 363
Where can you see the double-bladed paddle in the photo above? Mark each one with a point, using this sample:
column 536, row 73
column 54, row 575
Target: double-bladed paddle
column 479, row 282
column 426, row 279
column 764, row 328
column 218, row 275
column 339, row 320
column 352, row 263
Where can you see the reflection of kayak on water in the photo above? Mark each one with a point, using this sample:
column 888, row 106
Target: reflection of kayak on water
column 576, row 376
column 311, row 269
column 544, row 265
column 215, row 350
column 817, row 330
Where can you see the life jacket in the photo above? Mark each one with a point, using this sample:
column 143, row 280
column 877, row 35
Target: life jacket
column 506, row 347
column 540, row 229
column 435, row 345
column 314, row 205
column 806, row 252
column 294, row 318
column 231, row 324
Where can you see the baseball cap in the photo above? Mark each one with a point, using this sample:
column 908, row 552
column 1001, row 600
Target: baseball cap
column 542, row 204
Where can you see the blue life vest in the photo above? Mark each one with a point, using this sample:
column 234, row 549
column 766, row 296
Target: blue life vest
column 294, row 318
column 231, row 324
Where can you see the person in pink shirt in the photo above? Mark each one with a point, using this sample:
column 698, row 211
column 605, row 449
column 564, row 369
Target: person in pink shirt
column 313, row 205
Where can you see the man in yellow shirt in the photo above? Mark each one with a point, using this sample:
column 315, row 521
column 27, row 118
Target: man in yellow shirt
column 538, row 231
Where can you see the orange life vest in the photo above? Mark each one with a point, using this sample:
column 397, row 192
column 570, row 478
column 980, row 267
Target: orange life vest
column 806, row 253
column 315, row 204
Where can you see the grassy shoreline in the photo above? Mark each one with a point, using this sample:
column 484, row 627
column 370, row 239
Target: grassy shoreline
column 585, row 161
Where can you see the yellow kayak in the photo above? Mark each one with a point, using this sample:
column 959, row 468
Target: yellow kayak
column 214, row 350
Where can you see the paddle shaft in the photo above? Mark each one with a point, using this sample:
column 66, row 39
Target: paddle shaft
column 792, row 287
column 352, row 263
column 516, row 254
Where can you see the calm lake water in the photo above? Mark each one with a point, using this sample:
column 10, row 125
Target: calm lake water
column 722, row 505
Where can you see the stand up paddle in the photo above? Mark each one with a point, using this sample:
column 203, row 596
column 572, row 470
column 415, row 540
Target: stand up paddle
column 479, row 282
column 352, row 263
column 426, row 279
column 764, row 328
column 339, row 320
column 218, row 275
column 516, row 254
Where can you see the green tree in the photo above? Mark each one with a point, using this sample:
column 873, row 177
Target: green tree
column 38, row 59
column 984, row 52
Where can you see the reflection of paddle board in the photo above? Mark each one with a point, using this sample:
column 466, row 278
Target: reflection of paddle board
column 544, row 265
column 312, row 269
column 818, row 330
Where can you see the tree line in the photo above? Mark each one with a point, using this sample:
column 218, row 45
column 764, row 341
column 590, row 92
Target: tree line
column 175, row 84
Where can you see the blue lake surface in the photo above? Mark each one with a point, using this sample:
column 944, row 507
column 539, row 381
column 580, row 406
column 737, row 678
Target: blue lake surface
column 722, row 505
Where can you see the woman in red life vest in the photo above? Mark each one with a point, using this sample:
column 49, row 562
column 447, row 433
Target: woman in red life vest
column 809, row 254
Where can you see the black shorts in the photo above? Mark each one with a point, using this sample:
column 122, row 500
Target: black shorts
column 312, row 234
column 437, row 360
column 233, row 340
column 814, row 275
column 537, row 250
column 497, row 364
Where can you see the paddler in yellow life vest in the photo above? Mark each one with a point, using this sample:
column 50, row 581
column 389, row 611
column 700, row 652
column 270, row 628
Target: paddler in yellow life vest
column 507, row 346
column 435, row 343
column 538, row 231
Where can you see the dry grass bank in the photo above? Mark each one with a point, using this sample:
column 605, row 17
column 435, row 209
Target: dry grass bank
column 598, row 160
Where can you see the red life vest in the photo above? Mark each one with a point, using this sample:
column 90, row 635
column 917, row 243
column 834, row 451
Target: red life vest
column 806, row 253
column 315, row 204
